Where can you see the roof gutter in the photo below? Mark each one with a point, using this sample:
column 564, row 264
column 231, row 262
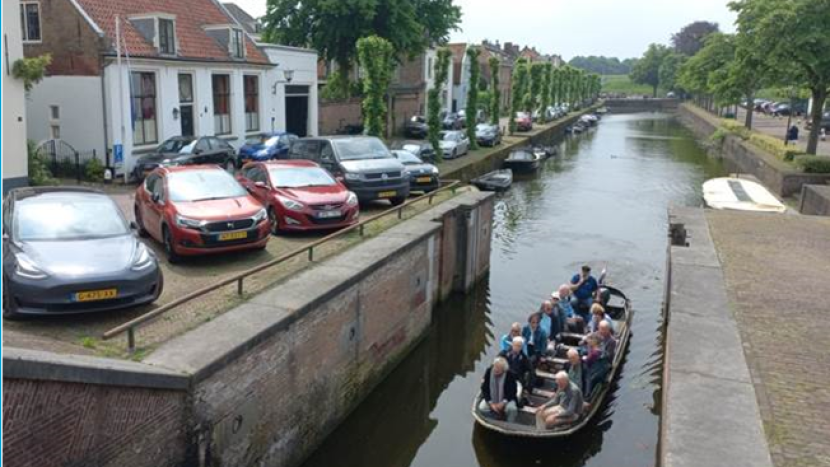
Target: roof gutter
column 87, row 18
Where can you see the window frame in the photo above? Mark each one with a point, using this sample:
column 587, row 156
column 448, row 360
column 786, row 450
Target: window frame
column 138, row 110
column 172, row 46
column 236, row 43
column 219, row 129
column 24, row 22
column 252, row 119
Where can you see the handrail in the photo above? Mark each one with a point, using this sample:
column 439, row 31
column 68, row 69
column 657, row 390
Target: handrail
column 130, row 326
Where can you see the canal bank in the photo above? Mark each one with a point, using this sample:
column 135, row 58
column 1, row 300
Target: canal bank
column 264, row 383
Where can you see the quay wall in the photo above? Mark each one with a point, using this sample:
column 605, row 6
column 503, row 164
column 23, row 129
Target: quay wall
column 641, row 105
column 710, row 412
column 815, row 200
column 742, row 157
column 266, row 382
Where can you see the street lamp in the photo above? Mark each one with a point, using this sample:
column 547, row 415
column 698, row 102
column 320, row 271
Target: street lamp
column 288, row 75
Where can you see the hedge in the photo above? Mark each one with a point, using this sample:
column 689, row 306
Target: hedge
column 775, row 146
column 814, row 164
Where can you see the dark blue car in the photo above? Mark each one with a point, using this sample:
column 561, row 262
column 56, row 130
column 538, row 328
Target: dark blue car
column 265, row 146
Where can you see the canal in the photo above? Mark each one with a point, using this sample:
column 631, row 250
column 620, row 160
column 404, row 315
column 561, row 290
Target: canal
column 603, row 201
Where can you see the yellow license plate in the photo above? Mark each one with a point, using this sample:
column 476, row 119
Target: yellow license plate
column 232, row 236
column 93, row 295
column 423, row 179
column 387, row 194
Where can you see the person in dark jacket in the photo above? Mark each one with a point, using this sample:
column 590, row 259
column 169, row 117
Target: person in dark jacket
column 499, row 390
column 792, row 134
column 519, row 363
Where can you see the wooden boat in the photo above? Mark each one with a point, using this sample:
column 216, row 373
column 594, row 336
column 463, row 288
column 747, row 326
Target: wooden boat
column 498, row 180
column 523, row 422
column 523, row 161
column 545, row 152
column 740, row 194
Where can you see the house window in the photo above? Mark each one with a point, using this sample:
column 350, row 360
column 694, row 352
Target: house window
column 55, row 132
column 222, row 104
column 55, row 112
column 143, row 103
column 167, row 36
column 30, row 21
column 251, row 103
column 237, row 43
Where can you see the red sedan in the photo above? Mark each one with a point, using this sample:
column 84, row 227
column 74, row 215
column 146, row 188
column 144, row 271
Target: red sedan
column 300, row 195
column 524, row 122
column 194, row 210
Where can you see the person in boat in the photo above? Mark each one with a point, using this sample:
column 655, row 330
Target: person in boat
column 499, row 391
column 605, row 334
column 562, row 302
column 592, row 364
column 584, row 287
column 575, row 369
column 507, row 339
column 550, row 322
column 564, row 407
column 518, row 362
column 597, row 316
column 537, row 340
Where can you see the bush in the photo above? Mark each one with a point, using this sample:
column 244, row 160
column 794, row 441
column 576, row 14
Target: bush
column 775, row 146
column 94, row 171
column 814, row 164
column 39, row 173
column 719, row 136
column 737, row 129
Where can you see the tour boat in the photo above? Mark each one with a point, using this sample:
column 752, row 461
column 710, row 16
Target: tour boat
column 498, row 180
column 522, row 423
column 523, row 161
column 741, row 195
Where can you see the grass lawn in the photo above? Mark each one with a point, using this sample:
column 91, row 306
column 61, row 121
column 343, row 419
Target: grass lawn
column 623, row 84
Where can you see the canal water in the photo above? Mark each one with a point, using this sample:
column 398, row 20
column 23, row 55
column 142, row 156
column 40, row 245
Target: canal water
column 603, row 201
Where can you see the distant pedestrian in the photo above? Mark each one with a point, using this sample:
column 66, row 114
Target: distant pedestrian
column 792, row 134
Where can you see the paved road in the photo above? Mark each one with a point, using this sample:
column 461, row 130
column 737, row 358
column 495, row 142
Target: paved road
column 777, row 127
column 777, row 270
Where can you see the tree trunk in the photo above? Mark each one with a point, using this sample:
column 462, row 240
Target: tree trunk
column 819, row 96
column 750, row 108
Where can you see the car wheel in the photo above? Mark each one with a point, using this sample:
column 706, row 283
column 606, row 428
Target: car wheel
column 230, row 166
column 275, row 223
column 142, row 231
column 454, row 153
column 160, row 288
column 397, row 201
column 9, row 305
column 169, row 248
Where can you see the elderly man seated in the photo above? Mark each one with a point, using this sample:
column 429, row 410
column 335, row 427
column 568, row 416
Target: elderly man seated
column 507, row 339
column 607, row 341
column 499, row 391
column 564, row 407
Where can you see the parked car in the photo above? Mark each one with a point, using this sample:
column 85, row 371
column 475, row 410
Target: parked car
column 452, row 121
column 70, row 250
column 198, row 210
column 416, row 127
column 422, row 149
column 265, row 146
column 523, row 121
column 488, row 134
column 454, row 144
column 299, row 195
column 363, row 163
column 422, row 176
column 187, row 150
column 825, row 122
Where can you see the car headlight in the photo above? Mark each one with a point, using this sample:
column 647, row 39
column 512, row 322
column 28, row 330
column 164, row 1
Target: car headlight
column 260, row 216
column 188, row 223
column 351, row 176
column 435, row 170
column 142, row 259
column 352, row 199
column 26, row 268
column 291, row 204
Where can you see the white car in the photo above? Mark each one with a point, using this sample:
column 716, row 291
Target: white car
column 454, row 144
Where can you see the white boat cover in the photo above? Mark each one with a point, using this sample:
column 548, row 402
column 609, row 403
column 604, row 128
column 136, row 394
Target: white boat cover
column 740, row 194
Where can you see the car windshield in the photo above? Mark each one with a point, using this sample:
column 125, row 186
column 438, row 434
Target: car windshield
column 264, row 140
column 188, row 149
column 361, row 148
column 413, row 148
column 300, row 177
column 202, row 185
column 407, row 157
column 449, row 137
column 174, row 145
column 482, row 127
column 67, row 217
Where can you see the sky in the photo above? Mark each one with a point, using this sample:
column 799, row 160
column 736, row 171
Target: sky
column 614, row 28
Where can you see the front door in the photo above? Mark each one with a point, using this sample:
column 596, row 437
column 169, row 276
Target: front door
column 296, row 110
column 186, row 104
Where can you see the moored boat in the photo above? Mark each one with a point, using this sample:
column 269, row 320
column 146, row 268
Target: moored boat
column 498, row 180
column 545, row 152
column 523, row 161
column 741, row 195
column 522, row 423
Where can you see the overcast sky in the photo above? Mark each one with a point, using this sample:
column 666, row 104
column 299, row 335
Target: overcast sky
column 618, row 28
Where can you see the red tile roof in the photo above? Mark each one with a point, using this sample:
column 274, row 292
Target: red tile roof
column 191, row 17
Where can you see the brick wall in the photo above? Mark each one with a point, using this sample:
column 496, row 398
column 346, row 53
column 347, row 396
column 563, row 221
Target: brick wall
column 70, row 40
column 51, row 423
column 334, row 115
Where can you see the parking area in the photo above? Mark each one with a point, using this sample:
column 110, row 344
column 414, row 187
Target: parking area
column 777, row 127
column 81, row 333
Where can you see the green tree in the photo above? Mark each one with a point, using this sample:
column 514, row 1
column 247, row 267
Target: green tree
column 495, row 108
column 554, row 86
column 442, row 68
column 702, row 74
column 333, row 27
column 689, row 40
column 375, row 55
column 472, row 95
column 518, row 91
column 667, row 73
column 537, row 69
column 794, row 37
column 31, row 70
column 647, row 69
column 546, row 77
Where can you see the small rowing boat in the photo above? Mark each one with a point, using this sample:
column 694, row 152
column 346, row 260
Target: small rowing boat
column 498, row 180
column 741, row 195
column 523, row 160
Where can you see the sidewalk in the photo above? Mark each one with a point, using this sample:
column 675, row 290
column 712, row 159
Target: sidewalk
column 777, row 127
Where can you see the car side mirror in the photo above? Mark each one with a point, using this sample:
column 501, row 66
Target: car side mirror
column 196, row 152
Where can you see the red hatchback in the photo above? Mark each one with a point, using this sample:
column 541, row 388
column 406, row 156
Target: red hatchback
column 300, row 195
column 194, row 210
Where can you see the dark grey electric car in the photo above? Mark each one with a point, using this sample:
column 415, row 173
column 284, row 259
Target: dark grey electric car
column 70, row 250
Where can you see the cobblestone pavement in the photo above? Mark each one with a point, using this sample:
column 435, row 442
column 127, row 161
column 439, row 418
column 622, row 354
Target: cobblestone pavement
column 777, row 127
column 777, row 270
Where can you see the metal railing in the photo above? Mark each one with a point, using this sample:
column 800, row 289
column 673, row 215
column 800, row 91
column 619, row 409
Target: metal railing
column 130, row 326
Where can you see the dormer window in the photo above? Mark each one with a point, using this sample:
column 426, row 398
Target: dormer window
column 167, row 36
column 230, row 37
column 237, row 43
column 158, row 29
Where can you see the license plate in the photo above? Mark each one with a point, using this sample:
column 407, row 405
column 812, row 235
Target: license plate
column 232, row 236
column 387, row 194
column 423, row 179
column 93, row 295
column 328, row 214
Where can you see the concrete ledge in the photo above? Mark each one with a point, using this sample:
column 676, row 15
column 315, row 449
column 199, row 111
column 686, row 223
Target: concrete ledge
column 710, row 412
column 48, row 366
column 815, row 200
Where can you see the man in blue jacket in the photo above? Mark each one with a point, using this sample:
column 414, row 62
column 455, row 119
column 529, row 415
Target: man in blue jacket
column 584, row 288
